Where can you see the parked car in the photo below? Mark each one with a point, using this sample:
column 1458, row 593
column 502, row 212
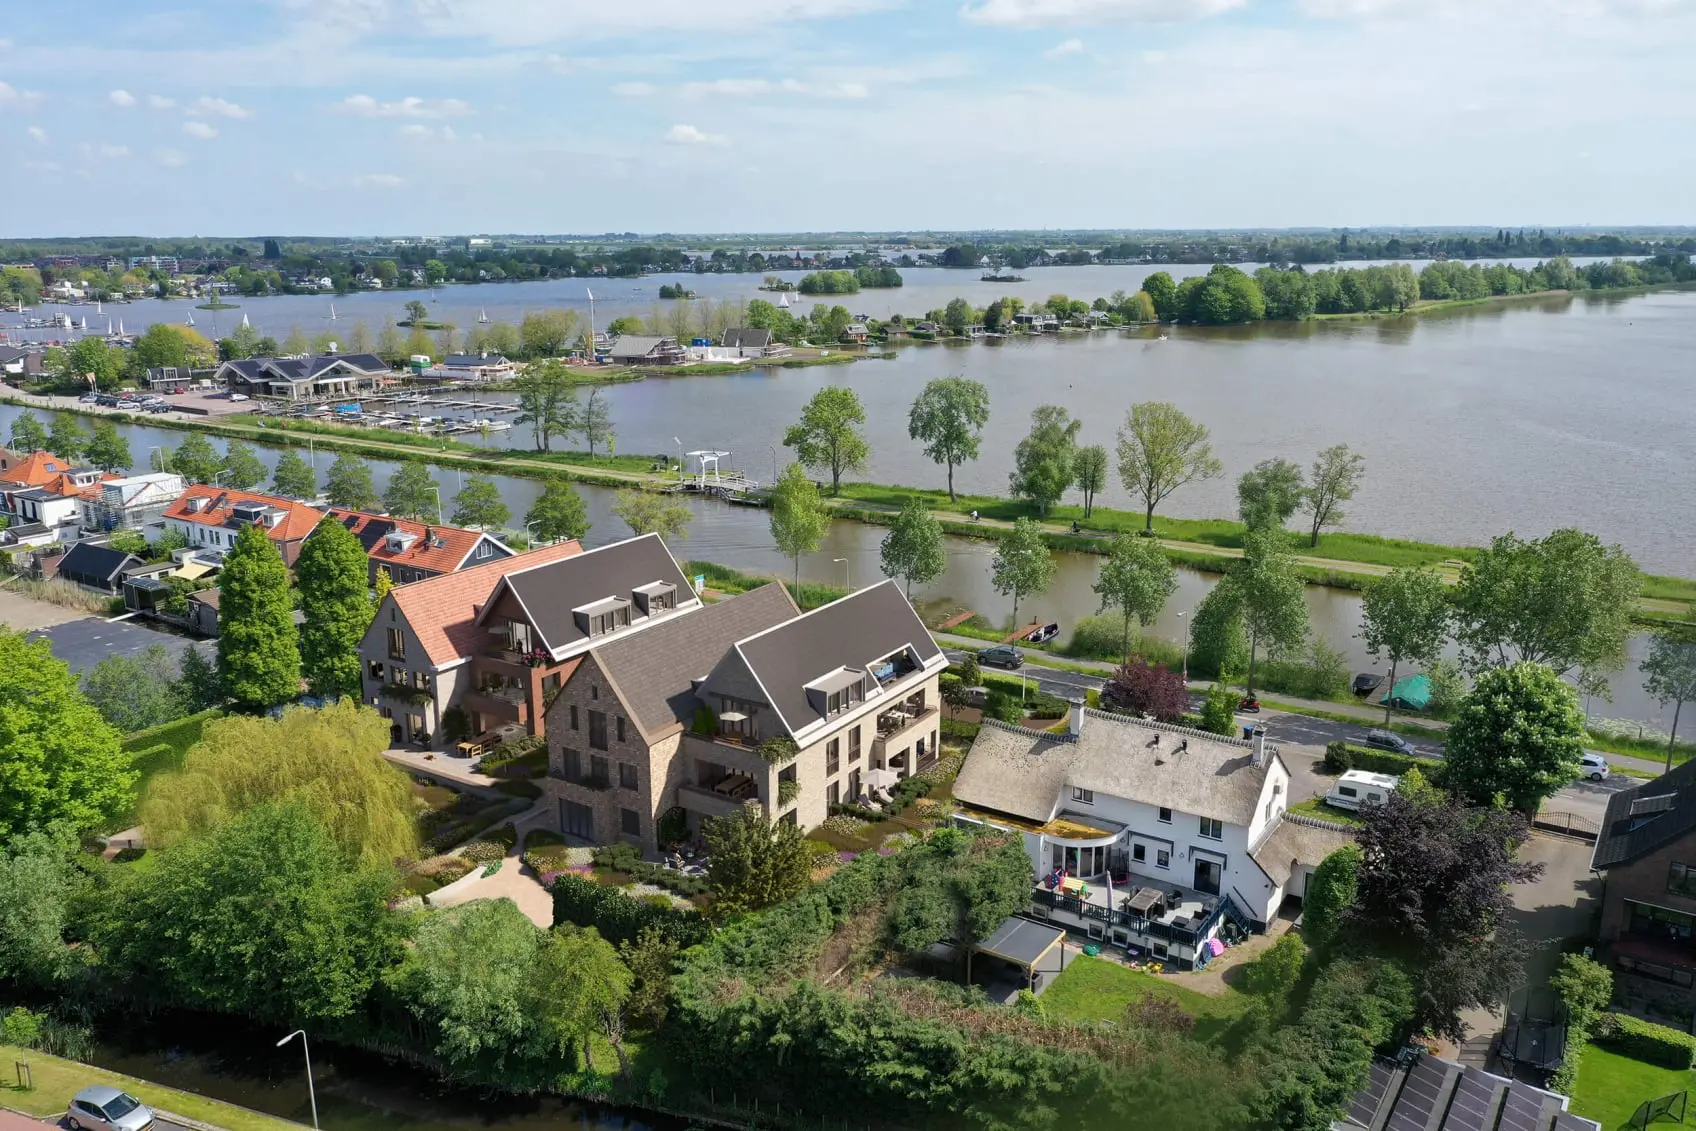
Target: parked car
column 1002, row 656
column 1361, row 787
column 1389, row 740
column 1593, row 766
column 103, row 1108
column 89, row 398
column 238, row 396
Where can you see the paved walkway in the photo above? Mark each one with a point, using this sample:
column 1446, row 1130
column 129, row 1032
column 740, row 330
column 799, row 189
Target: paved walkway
column 515, row 882
column 443, row 767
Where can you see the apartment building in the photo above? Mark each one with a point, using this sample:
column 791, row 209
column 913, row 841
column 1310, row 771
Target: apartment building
column 1646, row 854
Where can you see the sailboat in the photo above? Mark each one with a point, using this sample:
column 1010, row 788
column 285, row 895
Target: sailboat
column 108, row 327
column 332, row 312
column 97, row 309
column 84, row 326
column 190, row 318
column 244, row 321
column 483, row 316
column 120, row 327
column 783, row 300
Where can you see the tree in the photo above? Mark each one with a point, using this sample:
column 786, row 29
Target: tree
column 828, row 434
column 798, row 517
column 558, row 512
column 243, row 342
column 91, row 364
column 1219, row 709
column 1160, row 450
column 1330, row 893
column 411, row 492
column 582, row 987
column 1336, row 477
column 1136, row 578
column 67, row 440
column 649, row 957
column 167, row 344
column 258, row 650
column 1433, row 895
column 59, row 758
column 295, row 343
column 293, row 477
column 106, row 449
column 27, row 433
column 948, row 418
column 1565, row 601
column 195, row 459
column 1023, row 567
column 754, row 862
column 417, row 312
column 594, row 423
column 264, row 918
column 1163, row 294
column 1274, row 608
column 198, row 688
column 1269, row 494
column 136, row 692
column 1090, row 469
column 1042, row 463
column 241, row 470
column 629, row 324
column 1405, row 616
column 1217, row 641
column 40, row 877
column 912, row 550
column 349, row 485
column 545, row 333
column 1147, row 689
column 479, row 504
column 332, row 573
column 1518, row 735
column 547, row 401
column 1670, row 668
column 648, row 512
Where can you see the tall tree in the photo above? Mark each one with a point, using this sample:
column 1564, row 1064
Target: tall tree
column 1160, row 450
column 1163, row 295
column 171, row 344
column 1136, row 578
column 594, row 423
column 90, row 364
column 333, row 574
column 258, row 647
column 1519, row 735
column 1336, row 477
column 472, row 976
column 649, row 512
column 479, row 504
column 1022, row 567
column 412, row 493
column 59, row 759
column 1405, row 616
column 136, row 692
column 1042, row 463
column 547, row 401
column 349, row 484
column 1274, row 610
column 417, row 312
column 295, row 343
column 828, row 434
column 195, row 459
column 28, row 435
column 241, row 469
column 912, row 550
column 1670, row 671
column 41, row 876
column 1090, row 470
column 198, row 688
column 293, row 478
column 948, row 418
column 67, row 439
column 1565, row 600
column 546, row 333
column 754, row 862
column 798, row 517
column 106, row 449
column 558, row 512
column 1269, row 494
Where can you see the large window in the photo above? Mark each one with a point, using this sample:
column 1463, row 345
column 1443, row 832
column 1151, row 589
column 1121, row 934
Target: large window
column 854, row 745
column 833, row 756
column 1660, row 924
column 397, row 644
column 626, row 776
column 598, row 729
column 1681, row 879
column 630, row 822
column 1212, row 828
column 577, row 820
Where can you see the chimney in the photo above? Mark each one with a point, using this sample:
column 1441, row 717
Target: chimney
column 1257, row 747
column 1075, row 724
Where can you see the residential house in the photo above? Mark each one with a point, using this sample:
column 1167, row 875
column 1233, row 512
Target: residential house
column 666, row 725
column 301, row 378
column 856, row 332
column 477, row 367
column 412, row 551
column 642, row 349
column 131, row 502
column 1417, row 1091
column 203, row 611
column 1646, row 853
column 1144, row 834
column 210, row 517
column 21, row 361
column 745, row 341
column 42, row 489
column 417, row 656
column 95, row 566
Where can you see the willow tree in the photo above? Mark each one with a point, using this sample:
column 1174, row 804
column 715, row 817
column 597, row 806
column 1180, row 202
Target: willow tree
column 331, row 760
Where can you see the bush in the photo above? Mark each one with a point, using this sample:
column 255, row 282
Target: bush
column 1003, row 707
column 1645, row 1041
column 1146, row 689
column 1340, row 756
column 620, row 918
column 1330, row 892
column 1042, row 705
column 536, row 838
column 673, row 825
column 1097, row 638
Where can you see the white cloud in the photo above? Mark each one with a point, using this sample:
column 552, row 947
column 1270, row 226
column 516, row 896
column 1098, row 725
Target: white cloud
column 205, row 107
column 160, row 102
column 21, row 99
column 377, row 181
column 419, row 132
column 170, row 158
column 410, row 107
column 847, row 90
column 1061, row 50
column 688, row 135
column 1029, row 14
column 37, row 134
column 114, row 151
column 754, row 88
column 121, row 98
column 633, row 89
column 5, row 44
column 200, row 130
column 727, row 88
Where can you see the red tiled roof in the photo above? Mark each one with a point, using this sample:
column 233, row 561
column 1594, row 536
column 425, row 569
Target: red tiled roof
column 37, row 469
column 443, row 610
column 455, row 543
column 298, row 521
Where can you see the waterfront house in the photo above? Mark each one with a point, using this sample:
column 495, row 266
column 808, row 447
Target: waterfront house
column 412, row 551
column 641, row 349
column 472, row 367
column 664, row 728
column 21, row 362
column 856, row 332
column 302, row 378
column 130, row 502
column 744, row 341
column 96, row 566
column 42, row 489
column 1646, row 854
column 210, row 517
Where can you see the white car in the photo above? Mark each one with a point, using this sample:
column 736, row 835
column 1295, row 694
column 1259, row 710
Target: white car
column 1593, row 766
column 238, row 396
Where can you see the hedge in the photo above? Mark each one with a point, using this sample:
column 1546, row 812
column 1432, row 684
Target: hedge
column 178, row 734
column 1645, row 1041
column 1340, row 756
column 619, row 917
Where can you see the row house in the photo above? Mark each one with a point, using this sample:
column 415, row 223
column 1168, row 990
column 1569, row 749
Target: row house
column 1646, row 854
column 414, row 551
column 42, row 494
column 209, row 518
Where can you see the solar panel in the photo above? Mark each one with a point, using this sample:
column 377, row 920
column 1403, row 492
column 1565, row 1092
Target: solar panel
column 1566, row 1121
column 1424, row 1096
column 352, row 520
column 1527, row 1109
column 1363, row 1109
column 1474, row 1105
column 1659, row 803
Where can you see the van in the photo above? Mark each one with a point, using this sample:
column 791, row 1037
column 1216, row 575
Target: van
column 1360, row 787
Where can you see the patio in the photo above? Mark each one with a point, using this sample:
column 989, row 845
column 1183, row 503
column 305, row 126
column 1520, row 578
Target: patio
column 1148, row 916
column 1149, row 898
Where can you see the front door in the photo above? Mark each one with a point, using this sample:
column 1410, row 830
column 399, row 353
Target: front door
column 577, row 820
column 1207, row 876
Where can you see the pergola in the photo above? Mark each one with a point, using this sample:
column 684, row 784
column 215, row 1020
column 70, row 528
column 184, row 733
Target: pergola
column 1024, row 943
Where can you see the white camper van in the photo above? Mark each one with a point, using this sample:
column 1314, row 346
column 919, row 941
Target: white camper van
column 1359, row 787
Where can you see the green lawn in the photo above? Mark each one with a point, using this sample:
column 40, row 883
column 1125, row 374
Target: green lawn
column 1094, row 989
column 1610, row 1086
column 1314, row 807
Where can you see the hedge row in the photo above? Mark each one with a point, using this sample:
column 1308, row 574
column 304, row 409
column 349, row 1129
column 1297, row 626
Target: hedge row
column 178, row 734
column 619, row 917
column 1645, row 1041
column 1340, row 756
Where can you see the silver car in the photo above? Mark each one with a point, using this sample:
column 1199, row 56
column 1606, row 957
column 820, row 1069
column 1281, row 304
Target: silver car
column 101, row 1108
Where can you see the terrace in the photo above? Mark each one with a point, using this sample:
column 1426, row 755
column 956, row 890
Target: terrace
column 1150, row 913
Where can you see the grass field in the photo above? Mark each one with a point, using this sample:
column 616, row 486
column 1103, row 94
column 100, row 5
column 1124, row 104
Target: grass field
column 1314, row 807
column 1610, row 1086
column 1094, row 989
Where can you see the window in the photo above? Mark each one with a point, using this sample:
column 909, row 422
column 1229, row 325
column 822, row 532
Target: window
column 1212, row 828
column 1681, row 880
column 626, row 776
column 598, row 729
column 1165, row 815
column 577, row 820
column 833, row 793
column 602, row 623
column 574, row 716
column 618, row 720
column 598, row 769
column 375, row 670
column 572, row 761
column 833, row 756
column 1083, row 796
column 1162, row 858
column 630, row 822
column 1139, row 852
column 854, row 745
column 594, row 691
column 397, row 644
column 518, row 635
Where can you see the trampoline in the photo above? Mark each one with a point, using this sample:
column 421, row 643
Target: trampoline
column 1534, row 1034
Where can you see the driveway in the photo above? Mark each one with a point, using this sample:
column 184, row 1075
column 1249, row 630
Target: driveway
column 84, row 643
column 25, row 614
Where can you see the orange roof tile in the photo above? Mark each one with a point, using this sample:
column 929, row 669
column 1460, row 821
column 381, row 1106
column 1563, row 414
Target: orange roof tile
column 455, row 543
column 443, row 610
column 37, row 469
column 297, row 523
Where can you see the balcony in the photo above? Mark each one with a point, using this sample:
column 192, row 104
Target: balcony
column 715, row 801
column 499, row 701
column 898, row 729
column 1145, row 911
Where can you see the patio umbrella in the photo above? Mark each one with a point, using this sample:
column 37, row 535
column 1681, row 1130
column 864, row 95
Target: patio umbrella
column 880, row 779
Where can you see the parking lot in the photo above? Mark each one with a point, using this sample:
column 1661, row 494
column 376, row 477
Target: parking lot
column 84, row 643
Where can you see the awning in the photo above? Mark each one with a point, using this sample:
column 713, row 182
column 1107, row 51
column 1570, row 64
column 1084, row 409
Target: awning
column 192, row 571
column 732, row 717
column 1021, row 942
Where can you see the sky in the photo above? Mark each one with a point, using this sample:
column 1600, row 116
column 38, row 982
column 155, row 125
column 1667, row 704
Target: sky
column 435, row 117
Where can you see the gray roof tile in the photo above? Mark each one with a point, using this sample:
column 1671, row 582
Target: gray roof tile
column 1627, row 835
column 550, row 592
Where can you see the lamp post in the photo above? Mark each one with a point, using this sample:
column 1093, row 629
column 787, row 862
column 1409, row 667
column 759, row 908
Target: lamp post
column 846, row 583
column 437, row 491
column 773, row 448
column 679, row 444
column 164, row 462
column 1187, row 626
column 311, row 1092
column 527, row 536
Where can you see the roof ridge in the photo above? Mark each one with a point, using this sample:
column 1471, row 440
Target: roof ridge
column 1028, row 732
column 1171, row 728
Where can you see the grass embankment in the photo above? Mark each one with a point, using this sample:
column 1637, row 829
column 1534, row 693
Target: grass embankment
column 57, row 1080
column 1094, row 989
column 727, row 580
column 1610, row 1087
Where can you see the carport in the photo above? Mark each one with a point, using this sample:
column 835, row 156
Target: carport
column 1026, row 944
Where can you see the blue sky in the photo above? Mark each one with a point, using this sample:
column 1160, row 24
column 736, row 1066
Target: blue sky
column 447, row 116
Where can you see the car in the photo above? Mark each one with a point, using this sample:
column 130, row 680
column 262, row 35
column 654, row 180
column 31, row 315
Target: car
column 238, row 396
column 102, row 1108
column 89, row 398
column 1388, row 740
column 1593, row 766
column 1002, row 656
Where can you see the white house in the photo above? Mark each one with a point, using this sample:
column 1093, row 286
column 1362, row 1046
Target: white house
column 134, row 501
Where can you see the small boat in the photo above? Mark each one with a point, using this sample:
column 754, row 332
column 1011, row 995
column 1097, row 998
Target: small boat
column 85, row 323
column 483, row 317
column 97, row 309
column 783, row 300
column 190, row 318
column 244, row 321
column 332, row 312
column 1043, row 634
column 1366, row 683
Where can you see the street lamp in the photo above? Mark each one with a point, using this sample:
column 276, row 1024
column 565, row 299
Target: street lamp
column 164, row 463
column 843, row 562
column 527, row 535
column 311, row 1092
column 1187, row 626
column 437, row 491
column 679, row 444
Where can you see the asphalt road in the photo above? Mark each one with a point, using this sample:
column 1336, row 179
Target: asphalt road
column 84, row 643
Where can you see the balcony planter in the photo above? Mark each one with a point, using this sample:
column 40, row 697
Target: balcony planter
column 406, row 693
column 537, row 658
column 788, row 789
column 779, row 751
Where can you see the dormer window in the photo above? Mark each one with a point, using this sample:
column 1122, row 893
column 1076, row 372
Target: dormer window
column 655, row 598
column 839, row 691
column 606, row 615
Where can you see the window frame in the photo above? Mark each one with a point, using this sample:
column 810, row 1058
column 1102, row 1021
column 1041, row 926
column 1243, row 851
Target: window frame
column 1210, row 828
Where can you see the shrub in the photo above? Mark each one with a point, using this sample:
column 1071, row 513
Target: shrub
column 1219, row 711
column 1097, row 638
column 536, row 838
column 1330, row 892
column 482, row 852
column 1042, row 705
column 1645, row 1041
column 1003, row 708
column 620, row 857
column 618, row 917
column 1340, row 756
column 454, row 724
column 1146, row 689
